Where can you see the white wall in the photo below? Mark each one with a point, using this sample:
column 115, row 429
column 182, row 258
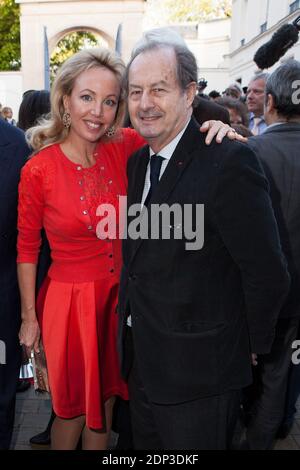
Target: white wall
column 248, row 16
column 210, row 49
column 58, row 16
column 11, row 89
column 210, row 43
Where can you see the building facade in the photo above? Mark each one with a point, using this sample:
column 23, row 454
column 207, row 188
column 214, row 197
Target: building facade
column 253, row 24
column 209, row 41
column 11, row 87
column 61, row 17
column 211, row 46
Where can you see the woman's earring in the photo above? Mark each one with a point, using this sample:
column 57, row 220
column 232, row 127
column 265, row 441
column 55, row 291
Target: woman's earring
column 66, row 119
column 110, row 131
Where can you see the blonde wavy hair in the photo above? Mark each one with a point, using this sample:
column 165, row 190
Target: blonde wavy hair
column 51, row 130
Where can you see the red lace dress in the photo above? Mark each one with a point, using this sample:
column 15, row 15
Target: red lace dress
column 77, row 303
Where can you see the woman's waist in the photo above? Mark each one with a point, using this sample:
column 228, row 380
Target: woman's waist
column 88, row 269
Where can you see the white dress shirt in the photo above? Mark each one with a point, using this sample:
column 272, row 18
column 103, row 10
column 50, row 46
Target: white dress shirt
column 166, row 153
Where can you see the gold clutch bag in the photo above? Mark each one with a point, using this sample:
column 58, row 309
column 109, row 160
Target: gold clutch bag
column 40, row 374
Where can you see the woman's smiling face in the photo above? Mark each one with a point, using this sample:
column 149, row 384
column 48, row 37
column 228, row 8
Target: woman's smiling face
column 93, row 103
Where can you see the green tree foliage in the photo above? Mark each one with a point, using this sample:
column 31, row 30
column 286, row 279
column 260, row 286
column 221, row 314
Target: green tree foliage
column 68, row 45
column 181, row 11
column 10, row 51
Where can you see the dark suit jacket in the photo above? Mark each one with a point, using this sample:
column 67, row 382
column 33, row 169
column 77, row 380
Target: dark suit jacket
column 278, row 150
column 207, row 110
column 194, row 312
column 13, row 154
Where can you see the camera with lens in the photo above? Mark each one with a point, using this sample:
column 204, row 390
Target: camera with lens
column 202, row 84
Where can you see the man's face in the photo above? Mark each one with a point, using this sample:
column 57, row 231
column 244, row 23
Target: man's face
column 158, row 108
column 256, row 97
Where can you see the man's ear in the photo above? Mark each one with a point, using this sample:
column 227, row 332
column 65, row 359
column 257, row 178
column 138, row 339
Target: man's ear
column 191, row 92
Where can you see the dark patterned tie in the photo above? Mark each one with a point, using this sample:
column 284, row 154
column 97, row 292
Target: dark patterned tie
column 155, row 166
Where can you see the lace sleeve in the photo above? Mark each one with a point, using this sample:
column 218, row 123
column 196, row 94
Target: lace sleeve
column 30, row 213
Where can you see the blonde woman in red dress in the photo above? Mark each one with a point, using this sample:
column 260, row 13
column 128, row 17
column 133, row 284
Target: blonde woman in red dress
column 79, row 163
column 77, row 166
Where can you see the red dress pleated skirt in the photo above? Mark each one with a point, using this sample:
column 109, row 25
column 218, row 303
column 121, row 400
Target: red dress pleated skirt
column 79, row 331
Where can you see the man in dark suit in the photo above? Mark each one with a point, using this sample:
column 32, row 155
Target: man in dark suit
column 278, row 150
column 190, row 317
column 13, row 154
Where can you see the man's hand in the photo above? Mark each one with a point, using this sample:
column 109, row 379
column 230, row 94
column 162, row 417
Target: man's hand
column 219, row 129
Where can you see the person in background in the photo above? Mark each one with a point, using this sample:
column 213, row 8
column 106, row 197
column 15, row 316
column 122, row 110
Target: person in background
column 207, row 113
column 13, row 155
column 7, row 114
column 204, row 110
column 35, row 105
column 237, row 110
column 213, row 95
column 277, row 149
column 255, row 103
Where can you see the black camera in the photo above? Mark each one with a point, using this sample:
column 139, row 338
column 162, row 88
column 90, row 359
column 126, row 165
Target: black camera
column 202, row 84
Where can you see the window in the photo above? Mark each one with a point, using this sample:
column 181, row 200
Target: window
column 294, row 6
column 243, row 42
column 263, row 28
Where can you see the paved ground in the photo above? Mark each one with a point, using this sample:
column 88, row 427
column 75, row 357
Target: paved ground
column 32, row 414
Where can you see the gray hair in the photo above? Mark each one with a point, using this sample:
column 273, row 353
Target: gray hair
column 260, row 76
column 282, row 85
column 159, row 35
column 186, row 65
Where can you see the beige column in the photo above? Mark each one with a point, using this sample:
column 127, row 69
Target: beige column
column 61, row 17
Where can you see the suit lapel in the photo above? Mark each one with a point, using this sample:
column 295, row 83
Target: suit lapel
column 178, row 163
column 138, row 176
column 182, row 156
